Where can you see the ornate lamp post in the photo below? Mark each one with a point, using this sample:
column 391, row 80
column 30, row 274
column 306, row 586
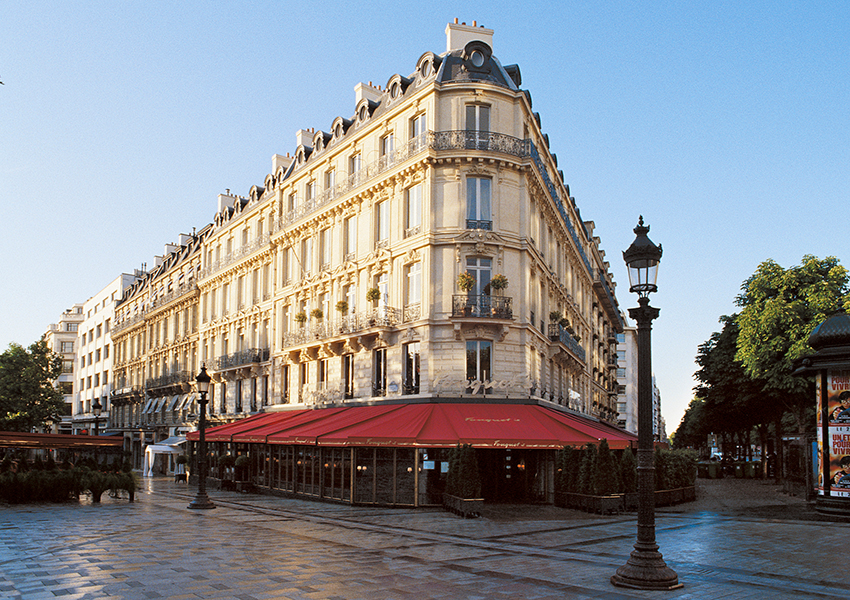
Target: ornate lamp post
column 645, row 568
column 201, row 500
column 96, row 408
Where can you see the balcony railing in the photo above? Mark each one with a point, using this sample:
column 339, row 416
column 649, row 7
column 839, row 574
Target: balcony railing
column 483, row 306
column 169, row 379
column 559, row 334
column 241, row 358
column 241, row 252
column 383, row 316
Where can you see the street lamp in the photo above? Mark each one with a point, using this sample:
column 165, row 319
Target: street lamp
column 96, row 408
column 201, row 500
column 645, row 569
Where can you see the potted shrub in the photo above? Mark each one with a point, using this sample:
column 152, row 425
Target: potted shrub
column 242, row 468
column 342, row 307
column 373, row 294
column 499, row 283
column 227, row 463
column 463, row 484
column 180, row 471
column 301, row 317
column 555, row 316
column 465, row 281
column 317, row 314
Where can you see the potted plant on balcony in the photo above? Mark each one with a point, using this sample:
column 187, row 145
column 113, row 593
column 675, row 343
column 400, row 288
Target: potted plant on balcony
column 342, row 308
column 499, row 283
column 317, row 314
column 373, row 295
column 301, row 317
column 465, row 281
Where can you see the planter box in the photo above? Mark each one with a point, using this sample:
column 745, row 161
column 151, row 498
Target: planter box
column 465, row 507
column 605, row 505
column 602, row 505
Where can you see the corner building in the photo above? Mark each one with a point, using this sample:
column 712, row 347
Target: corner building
column 369, row 268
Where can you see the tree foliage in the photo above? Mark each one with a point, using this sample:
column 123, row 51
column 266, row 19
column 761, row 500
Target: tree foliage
column 780, row 308
column 27, row 393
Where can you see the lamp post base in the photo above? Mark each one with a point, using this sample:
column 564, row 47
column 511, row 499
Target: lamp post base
column 646, row 570
column 201, row 501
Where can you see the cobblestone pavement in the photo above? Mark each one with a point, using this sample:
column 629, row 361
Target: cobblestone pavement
column 741, row 539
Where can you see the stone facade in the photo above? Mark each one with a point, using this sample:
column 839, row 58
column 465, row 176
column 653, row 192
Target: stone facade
column 337, row 278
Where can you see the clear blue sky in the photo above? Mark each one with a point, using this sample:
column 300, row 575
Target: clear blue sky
column 726, row 124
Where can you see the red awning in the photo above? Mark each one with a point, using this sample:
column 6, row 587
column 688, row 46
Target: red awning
column 222, row 433
column 430, row 425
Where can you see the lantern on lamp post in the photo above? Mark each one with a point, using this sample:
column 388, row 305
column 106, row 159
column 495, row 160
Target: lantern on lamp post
column 201, row 500
column 645, row 568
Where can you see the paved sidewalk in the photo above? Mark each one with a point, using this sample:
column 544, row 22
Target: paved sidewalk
column 741, row 539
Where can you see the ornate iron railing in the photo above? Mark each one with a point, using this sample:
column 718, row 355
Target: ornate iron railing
column 241, row 358
column 483, row 306
column 240, row 253
column 559, row 334
column 379, row 317
column 169, row 379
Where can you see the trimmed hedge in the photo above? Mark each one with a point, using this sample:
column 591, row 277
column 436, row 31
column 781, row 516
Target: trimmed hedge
column 62, row 485
column 595, row 470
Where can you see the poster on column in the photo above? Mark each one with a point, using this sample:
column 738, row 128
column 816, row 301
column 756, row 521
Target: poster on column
column 838, row 432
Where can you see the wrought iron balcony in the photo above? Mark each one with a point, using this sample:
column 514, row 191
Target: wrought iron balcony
column 559, row 334
column 242, row 358
column 383, row 316
column 482, row 306
column 169, row 380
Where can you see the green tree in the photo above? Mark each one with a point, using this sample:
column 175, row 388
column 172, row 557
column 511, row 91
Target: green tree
column 606, row 477
column 779, row 309
column 27, row 394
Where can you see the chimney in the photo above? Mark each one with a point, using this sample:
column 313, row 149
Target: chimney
column 459, row 35
column 225, row 201
column 303, row 137
column 368, row 91
column 279, row 161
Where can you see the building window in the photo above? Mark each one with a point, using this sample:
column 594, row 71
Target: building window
column 387, row 143
column 325, row 249
column 291, row 204
column 311, row 191
column 303, row 380
column 350, row 294
column 222, row 408
column 330, row 181
column 413, row 211
column 477, row 126
column 478, row 203
column 480, row 269
column 478, row 365
column 413, row 289
column 379, row 372
column 417, row 125
column 382, row 224
column 306, row 257
column 354, row 164
column 350, row 238
column 97, row 355
column 411, row 368
column 348, row 375
column 67, row 347
column 284, row 384
column 106, row 351
column 323, row 373
column 72, row 326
